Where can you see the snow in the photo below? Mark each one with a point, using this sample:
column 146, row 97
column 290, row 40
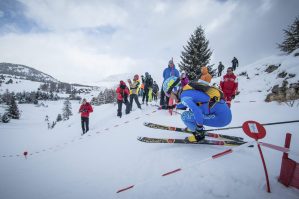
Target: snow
column 63, row 164
column 21, row 85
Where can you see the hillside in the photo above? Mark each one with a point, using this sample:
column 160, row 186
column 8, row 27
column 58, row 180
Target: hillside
column 25, row 72
column 20, row 78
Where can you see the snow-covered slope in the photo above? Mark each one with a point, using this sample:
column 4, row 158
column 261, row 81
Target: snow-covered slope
column 63, row 164
column 257, row 83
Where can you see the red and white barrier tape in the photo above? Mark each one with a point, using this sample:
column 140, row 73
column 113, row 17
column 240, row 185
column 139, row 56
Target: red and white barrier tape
column 278, row 148
column 218, row 155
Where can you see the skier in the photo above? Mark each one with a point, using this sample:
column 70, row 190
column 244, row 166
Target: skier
column 155, row 91
column 134, row 88
column 122, row 97
column 220, row 69
column 229, row 85
column 85, row 109
column 206, row 106
column 235, row 63
column 205, row 75
column 168, row 72
column 148, row 84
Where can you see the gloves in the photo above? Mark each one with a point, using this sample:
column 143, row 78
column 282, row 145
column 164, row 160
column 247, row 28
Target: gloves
column 233, row 96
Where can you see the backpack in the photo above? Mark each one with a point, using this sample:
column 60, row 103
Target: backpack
column 214, row 93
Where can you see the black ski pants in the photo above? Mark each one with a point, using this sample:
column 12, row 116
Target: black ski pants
column 145, row 95
column 164, row 100
column 85, row 124
column 119, row 107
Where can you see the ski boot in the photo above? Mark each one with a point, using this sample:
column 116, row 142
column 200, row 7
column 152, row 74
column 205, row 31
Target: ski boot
column 197, row 136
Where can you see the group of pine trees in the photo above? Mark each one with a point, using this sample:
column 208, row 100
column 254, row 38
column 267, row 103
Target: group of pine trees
column 66, row 113
column 12, row 110
column 105, row 97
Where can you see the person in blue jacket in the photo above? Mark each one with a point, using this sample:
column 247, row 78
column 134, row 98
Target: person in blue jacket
column 206, row 106
column 168, row 72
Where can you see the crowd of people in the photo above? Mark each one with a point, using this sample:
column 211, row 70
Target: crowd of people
column 208, row 105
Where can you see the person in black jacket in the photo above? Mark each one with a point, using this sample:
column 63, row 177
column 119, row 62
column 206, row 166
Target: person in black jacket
column 155, row 91
column 235, row 63
column 148, row 83
column 220, row 69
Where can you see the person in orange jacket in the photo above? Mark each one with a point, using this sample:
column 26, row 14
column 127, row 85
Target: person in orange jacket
column 85, row 109
column 205, row 76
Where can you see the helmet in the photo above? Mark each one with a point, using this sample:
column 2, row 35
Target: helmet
column 146, row 74
column 136, row 77
column 171, row 85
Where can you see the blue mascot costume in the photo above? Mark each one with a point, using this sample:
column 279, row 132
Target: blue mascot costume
column 206, row 106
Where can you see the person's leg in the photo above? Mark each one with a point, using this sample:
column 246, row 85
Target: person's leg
column 143, row 96
column 228, row 98
column 82, row 124
column 119, row 105
column 162, row 97
column 128, row 108
column 87, row 124
column 146, row 95
column 131, row 101
column 137, row 101
column 167, row 101
column 189, row 120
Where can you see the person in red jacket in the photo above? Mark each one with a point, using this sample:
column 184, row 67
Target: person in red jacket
column 122, row 97
column 85, row 109
column 229, row 85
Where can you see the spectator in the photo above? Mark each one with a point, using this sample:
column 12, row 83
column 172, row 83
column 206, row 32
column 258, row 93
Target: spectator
column 122, row 97
column 134, row 87
column 220, row 69
column 155, row 91
column 205, row 76
column 168, row 72
column 85, row 109
column 235, row 63
column 229, row 86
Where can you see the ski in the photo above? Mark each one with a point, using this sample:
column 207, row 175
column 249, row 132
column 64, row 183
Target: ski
column 185, row 141
column 184, row 130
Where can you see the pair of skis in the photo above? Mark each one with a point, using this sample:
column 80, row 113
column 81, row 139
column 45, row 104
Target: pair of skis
column 225, row 140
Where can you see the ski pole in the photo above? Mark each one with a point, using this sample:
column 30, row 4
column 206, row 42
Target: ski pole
column 266, row 124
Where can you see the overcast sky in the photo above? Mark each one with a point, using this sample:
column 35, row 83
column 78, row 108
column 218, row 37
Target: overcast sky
column 84, row 41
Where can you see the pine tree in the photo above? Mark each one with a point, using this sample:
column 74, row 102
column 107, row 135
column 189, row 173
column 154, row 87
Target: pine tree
column 291, row 35
column 67, row 110
column 59, row 118
column 196, row 54
column 13, row 109
column 5, row 118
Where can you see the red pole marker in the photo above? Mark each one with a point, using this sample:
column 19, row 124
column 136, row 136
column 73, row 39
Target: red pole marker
column 256, row 131
column 25, row 154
